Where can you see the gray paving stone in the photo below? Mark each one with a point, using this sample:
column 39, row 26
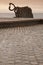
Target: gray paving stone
column 32, row 58
column 41, row 64
column 34, row 63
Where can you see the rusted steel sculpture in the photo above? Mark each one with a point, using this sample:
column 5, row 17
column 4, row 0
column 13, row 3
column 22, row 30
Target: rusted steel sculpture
column 23, row 12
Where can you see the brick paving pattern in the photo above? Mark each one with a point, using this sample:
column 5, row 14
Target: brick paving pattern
column 21, row 45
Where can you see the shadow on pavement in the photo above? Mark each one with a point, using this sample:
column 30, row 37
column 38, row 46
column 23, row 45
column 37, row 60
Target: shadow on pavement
column 20, row 24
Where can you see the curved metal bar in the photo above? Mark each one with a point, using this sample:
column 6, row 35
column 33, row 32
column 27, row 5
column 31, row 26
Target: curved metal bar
column 10, row 6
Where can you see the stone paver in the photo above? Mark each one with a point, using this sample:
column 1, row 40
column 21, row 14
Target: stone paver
column 21, row 45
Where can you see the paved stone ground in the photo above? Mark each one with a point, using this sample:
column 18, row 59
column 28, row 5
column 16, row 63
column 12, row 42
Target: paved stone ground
column 21, row 45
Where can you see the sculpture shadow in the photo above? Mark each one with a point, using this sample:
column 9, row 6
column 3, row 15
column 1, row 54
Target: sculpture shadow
column 20, row 24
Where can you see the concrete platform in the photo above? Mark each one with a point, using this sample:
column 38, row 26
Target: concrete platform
column 19, row 22
column 18, row 19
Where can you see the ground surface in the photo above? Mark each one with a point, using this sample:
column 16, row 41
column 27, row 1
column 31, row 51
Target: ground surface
column 19, row 19
column 21, row 45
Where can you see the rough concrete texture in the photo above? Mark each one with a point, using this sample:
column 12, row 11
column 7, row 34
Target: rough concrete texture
column 21, row 45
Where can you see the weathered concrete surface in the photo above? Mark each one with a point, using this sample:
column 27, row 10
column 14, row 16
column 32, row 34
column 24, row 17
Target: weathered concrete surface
column 21, row 45
column 18, row 19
